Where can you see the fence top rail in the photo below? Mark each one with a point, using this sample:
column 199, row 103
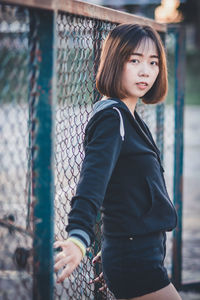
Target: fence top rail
column 88, row 10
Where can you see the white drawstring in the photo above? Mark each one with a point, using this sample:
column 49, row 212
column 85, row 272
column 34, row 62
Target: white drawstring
column 122, row 131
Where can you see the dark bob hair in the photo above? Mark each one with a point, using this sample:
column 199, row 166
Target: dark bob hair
column 117, row 48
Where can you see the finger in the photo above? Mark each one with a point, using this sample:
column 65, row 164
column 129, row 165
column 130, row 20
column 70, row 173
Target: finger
column 61, row 263
column 94, row 280
column 99, row 278
column 103, row 288
column 59, row 244
column 65, row 273
column 59, row 256
column 101, row 275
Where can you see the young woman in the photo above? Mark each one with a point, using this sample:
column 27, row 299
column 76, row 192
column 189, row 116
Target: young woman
column 122, row 173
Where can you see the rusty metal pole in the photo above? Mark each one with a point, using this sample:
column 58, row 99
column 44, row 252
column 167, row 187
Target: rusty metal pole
column 43, row 152
column 160, row 116
column 179, row 32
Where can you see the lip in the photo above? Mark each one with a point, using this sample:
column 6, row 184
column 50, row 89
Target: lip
column 142, row 85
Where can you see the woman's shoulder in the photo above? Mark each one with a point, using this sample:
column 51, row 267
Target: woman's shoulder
column 104, row 118
column 103, row 110
column 105, row 122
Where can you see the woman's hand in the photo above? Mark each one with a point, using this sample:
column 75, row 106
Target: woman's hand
column 100, row 279
column 69, row 258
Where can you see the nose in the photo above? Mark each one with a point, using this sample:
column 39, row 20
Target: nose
column 144, row 72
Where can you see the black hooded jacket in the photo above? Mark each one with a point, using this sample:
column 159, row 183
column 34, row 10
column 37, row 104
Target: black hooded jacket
column 122, row 175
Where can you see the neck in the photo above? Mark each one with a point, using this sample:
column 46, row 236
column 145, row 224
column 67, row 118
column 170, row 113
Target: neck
column 131, row 104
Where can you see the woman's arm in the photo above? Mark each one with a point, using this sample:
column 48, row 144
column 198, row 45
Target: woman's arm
column 101, row 154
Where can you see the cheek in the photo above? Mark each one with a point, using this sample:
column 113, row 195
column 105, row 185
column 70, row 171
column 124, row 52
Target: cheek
column 155, row 74
column 127, row 76
column 154, row 77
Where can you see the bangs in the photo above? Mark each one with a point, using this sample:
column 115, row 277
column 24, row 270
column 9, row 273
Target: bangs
column 144, row 44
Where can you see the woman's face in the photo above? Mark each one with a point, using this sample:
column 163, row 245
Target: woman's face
column 141, row 70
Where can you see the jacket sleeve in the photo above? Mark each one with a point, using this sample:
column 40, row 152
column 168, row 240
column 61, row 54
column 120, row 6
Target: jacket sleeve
column 101, row 154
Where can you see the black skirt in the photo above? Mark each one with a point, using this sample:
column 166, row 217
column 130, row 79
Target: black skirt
column 134, row 266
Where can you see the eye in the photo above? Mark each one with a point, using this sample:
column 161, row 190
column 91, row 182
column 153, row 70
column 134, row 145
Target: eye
column 134, row 60
column 154, row 63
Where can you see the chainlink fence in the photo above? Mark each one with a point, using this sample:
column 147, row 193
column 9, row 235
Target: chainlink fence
column 78, row 50
column 78, row 46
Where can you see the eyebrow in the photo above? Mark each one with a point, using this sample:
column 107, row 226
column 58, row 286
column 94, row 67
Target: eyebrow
column 140, row 54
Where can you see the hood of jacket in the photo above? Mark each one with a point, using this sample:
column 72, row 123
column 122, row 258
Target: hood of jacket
column 102, row 104
column 118, row 105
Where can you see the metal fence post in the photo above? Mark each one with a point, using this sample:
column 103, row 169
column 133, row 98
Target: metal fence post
column 178, row 151
column 160, row 114
column 43, row 154
column 160, row 110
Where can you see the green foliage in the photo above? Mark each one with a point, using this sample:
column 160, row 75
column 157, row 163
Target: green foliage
column 192, row 78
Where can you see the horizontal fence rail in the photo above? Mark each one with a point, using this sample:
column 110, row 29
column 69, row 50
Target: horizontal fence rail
column 90, row 11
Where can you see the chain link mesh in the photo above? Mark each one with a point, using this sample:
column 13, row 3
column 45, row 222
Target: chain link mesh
column 78, row 52
column 15, row 236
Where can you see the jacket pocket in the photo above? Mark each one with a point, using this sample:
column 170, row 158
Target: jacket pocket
column 161, row 206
